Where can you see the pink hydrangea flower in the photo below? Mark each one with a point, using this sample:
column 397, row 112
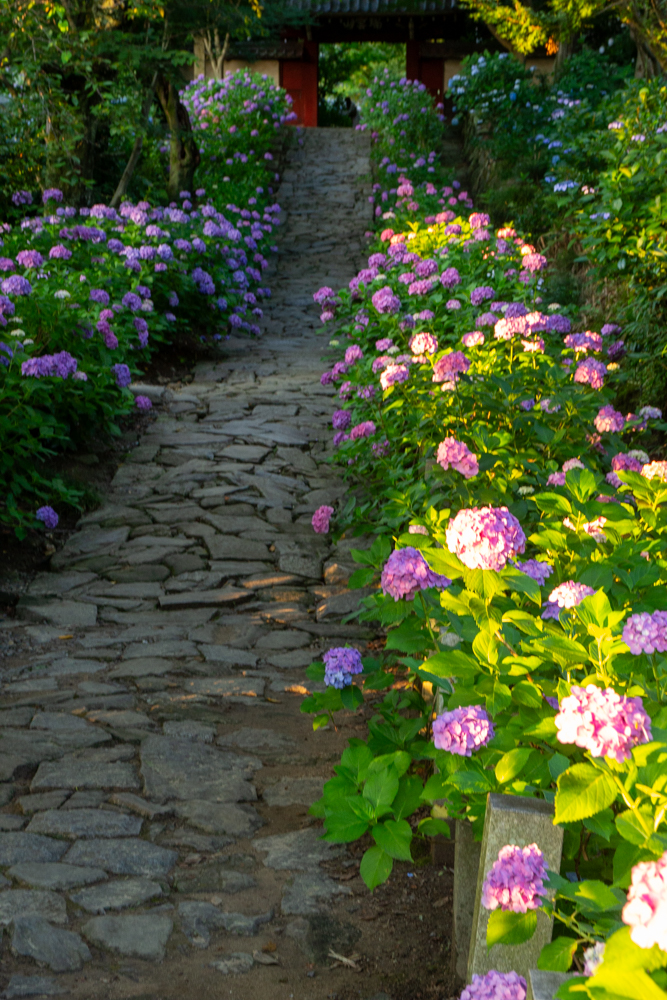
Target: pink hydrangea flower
column 353, row 353
column 534, row 262
column 609, row 420
column 516, row 880
column 496, row 986
column 556, row 479
column 463, row 730
column 452, row 304
column 591, row 372
column 393, row 375
column 458, row 455
column 605, row 723
column 321, row 518
column 423, row 343
column 573, row 463
column 655, row 470
column 380, row 362
column 645, row 633
column 365, row 429
column 588, row 341
column 485, row 537
column 473, row 339
column 566, row 595
column 646, row 909
column 406, row 572
column 384, row 344
column 448, row 367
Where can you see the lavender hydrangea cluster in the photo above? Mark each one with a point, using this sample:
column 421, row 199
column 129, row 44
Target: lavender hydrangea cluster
column 340, row 665
column 646, row 633
column 394, row 375
column 485, row 537
column 341, row 420
column 644, row 912
column 122, row 375
column 386, row 302
column 48, row 517
column 538, row 571
column 60, row 365
column 515, row 882
column 406, row 572
column 450, row 366
column 480, row 294
column 143, row 403
column 603, row 722
column 458, row 455
column 591, row 372
column 463, row 730
column 496, row 986
column 609, row 420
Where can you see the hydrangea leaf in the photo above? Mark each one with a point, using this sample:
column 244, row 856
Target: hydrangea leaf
column 376, row 866
column 506, row 927
column 583, row 790
column 394, row 837
column 557, row 955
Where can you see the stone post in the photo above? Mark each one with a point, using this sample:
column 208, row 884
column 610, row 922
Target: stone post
column 512, row 819
column 466, row 872
column 543, row 985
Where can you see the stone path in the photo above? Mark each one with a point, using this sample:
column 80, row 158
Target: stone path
column 155, row 770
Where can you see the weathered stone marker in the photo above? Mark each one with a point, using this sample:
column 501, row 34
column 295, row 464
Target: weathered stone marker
column 543, row 985
column 511, row 819
column 467, row 852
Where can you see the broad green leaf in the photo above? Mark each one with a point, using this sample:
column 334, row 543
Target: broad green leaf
column 315, row 672
column 409, row 637
column 511, row 764
column 394, row 837
column 376, row 866
column 527, row 693
column 583, row 790
column 431, row 827
column 557, row 956
column 445, row 562
column 400, row 759
column 381, row 788
column 451, row 663
column 357, row 757
column 506, row 927
column 486, row 583
column 351, row 697
column 521, row 583
column 637, row 828
column 344, row 826
column 499, row 699
column 408, row 798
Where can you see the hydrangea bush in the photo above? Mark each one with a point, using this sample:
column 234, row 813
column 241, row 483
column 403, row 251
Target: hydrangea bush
column 519, row 557
column 87, row 295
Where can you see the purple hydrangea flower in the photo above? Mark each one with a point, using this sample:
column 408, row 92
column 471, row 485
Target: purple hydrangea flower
column 478, row 295
column 406, row 572
column 340, row 665
column 21, row 198
column 603, row 722
column 485, row 537
column 538, row 571
column 496, row 986
column 353, row 353
column 450, row 366
column 645, row 633
column 463, row 730
column 29, row 258
column 100, row 296
column 394, row 375
column 320, row 519
column 385, row 301
column 16, row 284
column 59, row 252
column 59, row 365
column 516, row 880
column 363, row 430
column 143, row 403
column 48, row 517
column 122, row 375
column 131, row 301
column 51, row 194
column 341, row 420
column 450, row 277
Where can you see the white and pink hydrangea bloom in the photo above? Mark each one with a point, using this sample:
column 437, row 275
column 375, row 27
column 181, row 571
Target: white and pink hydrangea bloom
column 603, row 722
column 485, row 537
column 458, row 455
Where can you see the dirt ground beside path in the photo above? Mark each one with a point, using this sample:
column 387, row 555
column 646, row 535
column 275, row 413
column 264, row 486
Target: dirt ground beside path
column 155, row 768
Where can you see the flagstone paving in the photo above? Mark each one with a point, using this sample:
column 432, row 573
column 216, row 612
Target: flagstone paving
column 155, row 770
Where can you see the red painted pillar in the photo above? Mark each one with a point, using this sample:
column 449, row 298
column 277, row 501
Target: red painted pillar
column 299, row 79
column 412, row 60
column 311, row 53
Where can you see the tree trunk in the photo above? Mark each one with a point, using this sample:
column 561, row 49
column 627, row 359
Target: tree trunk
column 565, row 50
column 647, row 65
column 124, row 182
column 184, row 154
column 215, row 54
